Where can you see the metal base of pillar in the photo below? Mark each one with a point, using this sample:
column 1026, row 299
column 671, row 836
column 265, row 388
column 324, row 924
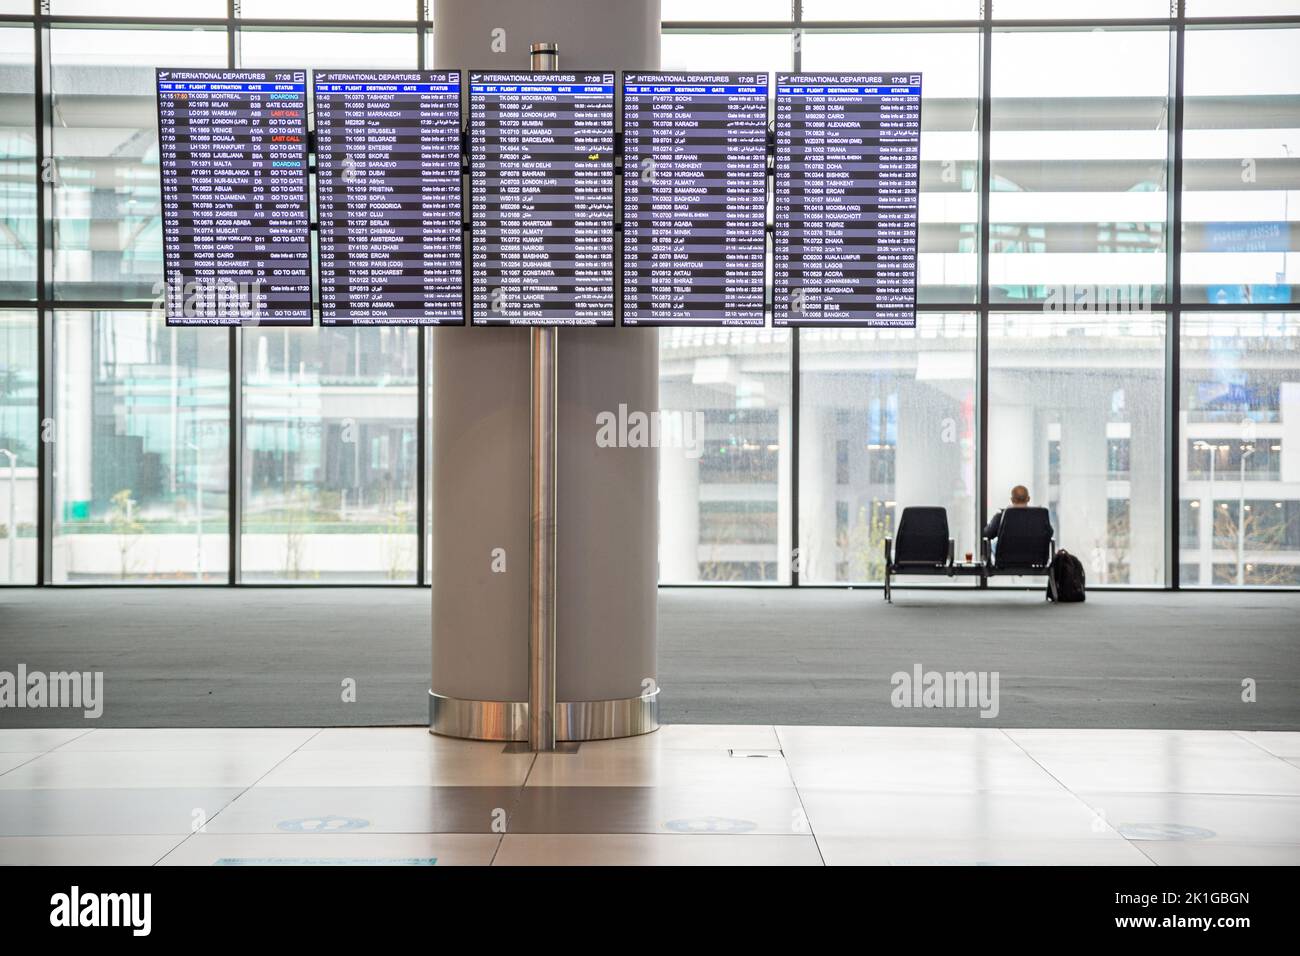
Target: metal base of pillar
column 507, row 720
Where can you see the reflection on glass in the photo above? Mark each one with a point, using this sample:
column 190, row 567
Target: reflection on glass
column 329, row 467
column 107, row 226
column 947, row 242
column 1076, row 414
column 886, row 420
column 17, row 166
column 1240, row 476
column 724, row 461
column 19, row 447
column 1241, row 167
column 1079, row 148
column 142, row 450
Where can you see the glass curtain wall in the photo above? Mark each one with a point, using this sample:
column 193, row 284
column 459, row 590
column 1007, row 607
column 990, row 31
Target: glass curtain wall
column 141, row 450
column 19, row 445
column 1131, row 352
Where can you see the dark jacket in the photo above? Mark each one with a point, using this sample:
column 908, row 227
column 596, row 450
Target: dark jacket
column 994, row 526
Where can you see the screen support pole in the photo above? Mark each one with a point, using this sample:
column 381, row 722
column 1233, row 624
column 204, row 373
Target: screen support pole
column 541, row 586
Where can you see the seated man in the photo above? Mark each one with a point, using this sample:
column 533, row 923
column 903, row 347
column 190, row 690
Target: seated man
column 1019, row 499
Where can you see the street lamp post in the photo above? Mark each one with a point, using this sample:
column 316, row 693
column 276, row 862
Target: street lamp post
column 12, row 526
column 1214, row 452
column 1246, row 452
column 196, row 446
column 1286, row 219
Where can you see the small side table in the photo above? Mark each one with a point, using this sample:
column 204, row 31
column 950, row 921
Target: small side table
column 970, row 569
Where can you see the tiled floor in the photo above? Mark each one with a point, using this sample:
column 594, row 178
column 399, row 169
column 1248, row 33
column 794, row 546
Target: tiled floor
column 685, row 795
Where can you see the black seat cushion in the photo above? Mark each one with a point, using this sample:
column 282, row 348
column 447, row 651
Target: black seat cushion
column 922, row 536
column 1024, row 539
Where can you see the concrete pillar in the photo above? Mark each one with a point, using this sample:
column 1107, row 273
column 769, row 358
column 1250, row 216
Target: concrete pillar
column 75, row 424
column 1012, row 461
column 607, row 498
column 679, row 525
column 818, row 489
column 929, row 466
column 784, row 492
column 1082, row 511
column 1146, row 551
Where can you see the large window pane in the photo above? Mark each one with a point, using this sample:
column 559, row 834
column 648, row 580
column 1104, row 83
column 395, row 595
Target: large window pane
column 328, row 49
column 724, row 472
column 327, row 10
column 19, row 447
column 427, row 490
column 1241, row 196
column 141, row 475
column 17, row 165
column 1073, row 10
column 1076, row 414
column 722, row 10
column 139, row 8
column 720, row 52
column 1079, row 166
column 814, row 10
column 1240, row 460
column 329, row 469
column 107, row 228
column 950, row 62
column 1240, row 8
column 887, row 420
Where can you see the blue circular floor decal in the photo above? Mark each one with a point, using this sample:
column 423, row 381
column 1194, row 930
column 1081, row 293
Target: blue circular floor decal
column 1163, row 831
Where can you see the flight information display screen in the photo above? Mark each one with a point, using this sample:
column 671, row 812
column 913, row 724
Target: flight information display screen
column 388, row 193
column 847, row 180
column 542, row 198
column 694, row 198
column 236, row 222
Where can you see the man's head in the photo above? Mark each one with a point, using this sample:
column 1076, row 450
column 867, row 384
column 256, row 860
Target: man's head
column 1019, row 496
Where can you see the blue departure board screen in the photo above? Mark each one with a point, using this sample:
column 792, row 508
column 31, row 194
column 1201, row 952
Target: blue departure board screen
column 235, row 217
column 541, row 150
column 694, row 198
column 847, row 181
column 388, row 193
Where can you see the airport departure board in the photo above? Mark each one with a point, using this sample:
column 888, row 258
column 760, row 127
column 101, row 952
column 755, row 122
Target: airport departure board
column 694, row 198
column 388, row 193
column 847, row 181
column 236, row 223
column 541, row 150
